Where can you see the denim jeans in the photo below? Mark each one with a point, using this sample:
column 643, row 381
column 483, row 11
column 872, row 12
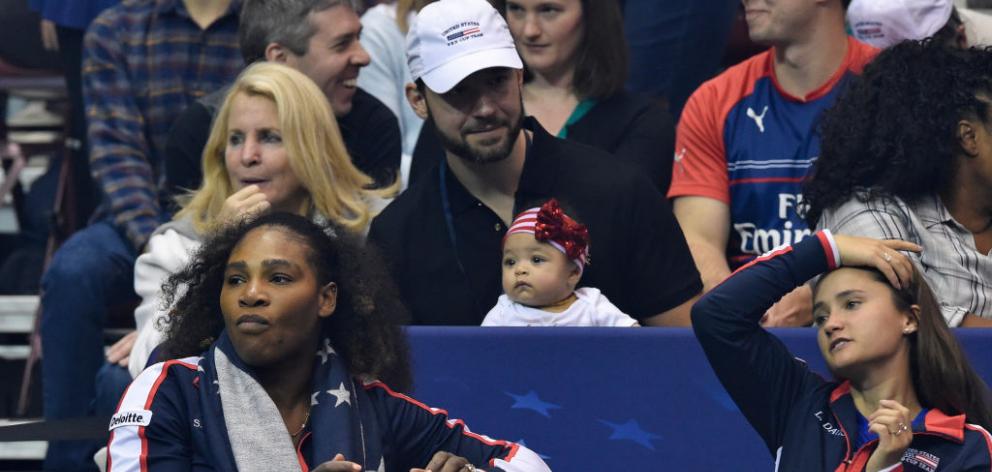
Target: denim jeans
column 675, row 45
column 93, row 269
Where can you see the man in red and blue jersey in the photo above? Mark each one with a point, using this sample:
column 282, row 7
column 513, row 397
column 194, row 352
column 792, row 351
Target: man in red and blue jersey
column 747, row 138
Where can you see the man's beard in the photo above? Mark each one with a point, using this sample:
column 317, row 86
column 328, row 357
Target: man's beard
column 458, row 146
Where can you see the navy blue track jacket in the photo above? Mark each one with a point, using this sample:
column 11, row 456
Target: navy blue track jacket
column 171, row 419
column 808, row 422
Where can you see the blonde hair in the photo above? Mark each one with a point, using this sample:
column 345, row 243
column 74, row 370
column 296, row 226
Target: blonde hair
column 335, row 188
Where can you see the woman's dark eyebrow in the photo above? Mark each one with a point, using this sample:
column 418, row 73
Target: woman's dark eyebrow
column 847, row 293
column 270, row 263
column 841, row 295
column 240, row 265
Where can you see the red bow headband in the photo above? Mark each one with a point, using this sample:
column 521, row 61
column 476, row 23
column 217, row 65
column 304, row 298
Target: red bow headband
column 549, row 223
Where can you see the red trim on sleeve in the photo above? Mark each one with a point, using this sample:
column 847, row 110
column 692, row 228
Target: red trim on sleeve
column 143, row 460
column 509, row 456
column 764, row 257
column 985, row 434
column 110, row 456
column 450, row 423
column 828, row 250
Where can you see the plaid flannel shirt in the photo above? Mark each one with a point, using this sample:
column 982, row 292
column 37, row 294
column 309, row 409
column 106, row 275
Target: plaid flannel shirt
column 144, row 62
column 960, row 276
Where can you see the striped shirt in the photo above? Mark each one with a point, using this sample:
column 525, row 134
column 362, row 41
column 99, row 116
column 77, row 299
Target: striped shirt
column 960, row 276
column 144, row 62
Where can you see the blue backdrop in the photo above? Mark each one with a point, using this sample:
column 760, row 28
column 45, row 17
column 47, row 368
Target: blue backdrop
column 605, row 398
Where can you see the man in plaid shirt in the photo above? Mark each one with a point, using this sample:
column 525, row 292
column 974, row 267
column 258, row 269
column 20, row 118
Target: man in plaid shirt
column 144, row 62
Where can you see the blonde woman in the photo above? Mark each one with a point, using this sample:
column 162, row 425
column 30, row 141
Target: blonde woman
column 274, row 146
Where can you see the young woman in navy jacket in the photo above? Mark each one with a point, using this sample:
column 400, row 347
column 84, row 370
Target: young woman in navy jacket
column 904, row 395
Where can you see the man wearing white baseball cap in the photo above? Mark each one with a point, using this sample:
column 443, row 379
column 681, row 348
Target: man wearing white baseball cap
column 442, row 237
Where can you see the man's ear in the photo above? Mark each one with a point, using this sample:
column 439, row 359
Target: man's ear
column 967, row 137
column 328, row 299
column 275, row 52
column 417, row 100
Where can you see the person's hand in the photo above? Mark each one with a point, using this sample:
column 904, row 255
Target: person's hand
column 245, row 202
column 338, row 464
column 880, row 254
column 891, row 422
column 794, row 309
column 120, row 352
column 448, row 462
column 49, row 39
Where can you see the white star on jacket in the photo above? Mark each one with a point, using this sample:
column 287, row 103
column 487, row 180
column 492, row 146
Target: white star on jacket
column 325, row 351
column 342, row 394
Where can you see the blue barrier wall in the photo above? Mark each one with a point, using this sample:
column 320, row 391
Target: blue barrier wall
column 605, row 398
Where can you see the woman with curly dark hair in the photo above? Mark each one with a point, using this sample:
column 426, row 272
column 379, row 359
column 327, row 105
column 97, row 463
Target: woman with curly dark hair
column 907, row 154
column 279, row 333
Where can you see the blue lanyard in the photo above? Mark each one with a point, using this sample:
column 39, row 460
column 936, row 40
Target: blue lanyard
column 449, row 217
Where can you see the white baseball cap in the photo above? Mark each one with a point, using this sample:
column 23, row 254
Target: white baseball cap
column 882, row 23
column 452, row 39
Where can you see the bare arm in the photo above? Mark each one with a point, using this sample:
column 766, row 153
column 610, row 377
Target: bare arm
column 972, row 320
column 706, row 224
column 676, row 317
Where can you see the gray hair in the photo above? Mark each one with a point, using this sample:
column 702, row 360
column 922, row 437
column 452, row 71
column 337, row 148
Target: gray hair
column 284, row 22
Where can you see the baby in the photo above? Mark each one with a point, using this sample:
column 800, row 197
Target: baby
column 544, row 253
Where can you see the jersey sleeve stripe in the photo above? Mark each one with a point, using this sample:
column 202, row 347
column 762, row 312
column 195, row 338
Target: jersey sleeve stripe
column 128, row 446
column 829, row 248
column 985, row 434
column 450, row 423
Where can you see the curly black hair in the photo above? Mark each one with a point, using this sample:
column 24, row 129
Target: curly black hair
column 893, row 132
column 365, row 329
